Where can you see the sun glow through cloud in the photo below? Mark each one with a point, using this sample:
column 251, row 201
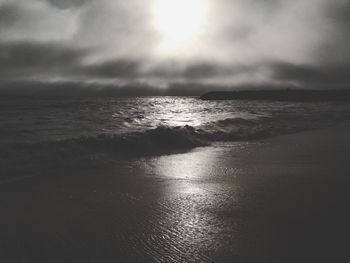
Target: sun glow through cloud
column 179, row 22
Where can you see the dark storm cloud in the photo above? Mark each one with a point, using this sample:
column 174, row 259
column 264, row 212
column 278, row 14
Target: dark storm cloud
column 310, row 76
column 133, row 69
column 9, row 13
column 202, row 70
column 23, row 59
column 68, row 3
column 189, row 71
column 297, row 73
column 199, row 70
column 111, row 69
column 340, row 13
column 210, row 70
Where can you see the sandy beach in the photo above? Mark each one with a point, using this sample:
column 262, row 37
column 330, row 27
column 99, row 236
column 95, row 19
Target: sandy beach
column 284, row 199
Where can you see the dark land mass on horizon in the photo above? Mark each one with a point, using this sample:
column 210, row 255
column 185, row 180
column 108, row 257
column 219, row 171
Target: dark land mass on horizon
column 279, row 95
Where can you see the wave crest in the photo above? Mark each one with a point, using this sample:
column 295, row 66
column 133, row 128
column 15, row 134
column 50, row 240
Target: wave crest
column 102, row 149
column 92, row 151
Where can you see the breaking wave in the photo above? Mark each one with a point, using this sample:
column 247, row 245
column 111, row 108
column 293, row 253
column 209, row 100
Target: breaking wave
column 15, row 158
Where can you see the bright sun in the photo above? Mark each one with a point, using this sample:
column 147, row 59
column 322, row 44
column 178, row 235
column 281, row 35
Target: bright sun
column 179, row 22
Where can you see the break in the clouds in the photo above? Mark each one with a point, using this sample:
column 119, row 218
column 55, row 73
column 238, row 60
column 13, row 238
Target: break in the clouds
column 159, row 42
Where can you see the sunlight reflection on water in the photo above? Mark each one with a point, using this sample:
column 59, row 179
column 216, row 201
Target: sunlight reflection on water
column 176, row 112
column 24, row 120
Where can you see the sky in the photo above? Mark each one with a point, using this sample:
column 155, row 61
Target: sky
column 186, row 44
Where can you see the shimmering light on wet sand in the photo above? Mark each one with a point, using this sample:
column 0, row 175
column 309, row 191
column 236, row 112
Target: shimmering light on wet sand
column 187, row 171
column 187, row 225
column 194, row 165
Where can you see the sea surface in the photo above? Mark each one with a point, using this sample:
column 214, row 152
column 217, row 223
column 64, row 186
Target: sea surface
column 37, row 131
column 126, row 180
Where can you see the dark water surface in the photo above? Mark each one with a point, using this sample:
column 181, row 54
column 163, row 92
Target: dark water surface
column 46, row 134
column 33, row 120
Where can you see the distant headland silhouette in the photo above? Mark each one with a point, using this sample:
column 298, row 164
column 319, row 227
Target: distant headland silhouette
column 279, row 95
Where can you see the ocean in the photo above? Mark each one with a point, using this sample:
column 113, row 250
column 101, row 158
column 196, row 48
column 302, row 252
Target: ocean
column 40, row 133
column 173, row 179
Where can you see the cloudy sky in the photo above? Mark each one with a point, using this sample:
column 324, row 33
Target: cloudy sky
column 240, row 43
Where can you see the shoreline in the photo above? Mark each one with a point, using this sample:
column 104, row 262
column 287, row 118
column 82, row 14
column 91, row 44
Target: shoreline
column 276, row 200
column 28, row 160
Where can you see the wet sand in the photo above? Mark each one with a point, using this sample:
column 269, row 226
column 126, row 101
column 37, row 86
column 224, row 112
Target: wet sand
column 284, row 199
